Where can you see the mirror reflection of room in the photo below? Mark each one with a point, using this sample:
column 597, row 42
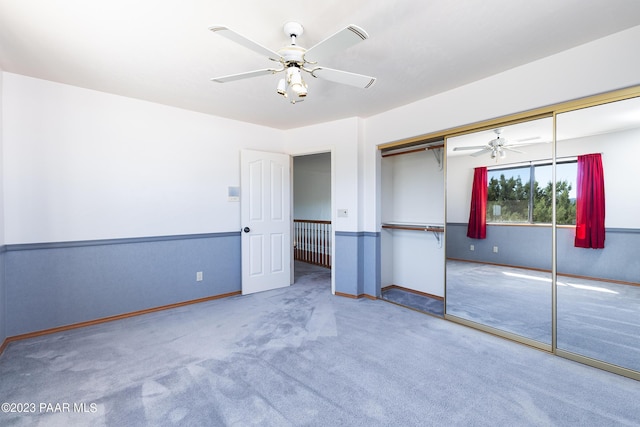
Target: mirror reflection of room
column 598, row 261
column 499, row 228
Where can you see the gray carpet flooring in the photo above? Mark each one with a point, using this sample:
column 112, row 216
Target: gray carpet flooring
column 301, row 356
column 511, row 299
column 597, row 319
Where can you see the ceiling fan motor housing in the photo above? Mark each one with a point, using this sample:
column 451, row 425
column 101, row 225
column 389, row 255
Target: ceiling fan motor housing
column 293, row 29
column 293, row 54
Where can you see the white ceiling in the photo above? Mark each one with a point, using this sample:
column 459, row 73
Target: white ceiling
column 162, row 51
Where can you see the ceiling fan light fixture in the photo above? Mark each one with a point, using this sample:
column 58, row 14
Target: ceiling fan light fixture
column 300, row 89
column 293, row 75
column 296, row 84
column 282, row 87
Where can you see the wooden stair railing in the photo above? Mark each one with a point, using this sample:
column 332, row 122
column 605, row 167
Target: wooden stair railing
column 312, row 242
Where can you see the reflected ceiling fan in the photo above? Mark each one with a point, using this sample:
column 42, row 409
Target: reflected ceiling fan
column 498, row 147
column 294, row 60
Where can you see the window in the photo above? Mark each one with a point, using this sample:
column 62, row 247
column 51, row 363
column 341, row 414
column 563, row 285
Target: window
column 508, row 195
column 523, row 194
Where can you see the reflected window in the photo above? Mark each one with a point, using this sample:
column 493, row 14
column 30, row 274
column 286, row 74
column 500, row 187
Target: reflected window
column 524, row 194
column 566, row 175
column 508, row 194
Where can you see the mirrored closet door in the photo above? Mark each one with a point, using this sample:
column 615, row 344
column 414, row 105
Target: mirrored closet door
column 499, row 207
column 598, row 257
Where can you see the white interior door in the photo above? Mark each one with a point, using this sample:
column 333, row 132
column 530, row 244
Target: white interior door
column 265, row 219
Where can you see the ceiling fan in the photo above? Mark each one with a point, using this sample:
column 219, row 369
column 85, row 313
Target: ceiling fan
column 294, row 59
column 498, row 147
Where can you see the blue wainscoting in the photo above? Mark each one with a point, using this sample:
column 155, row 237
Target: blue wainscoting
column 530, row 246
column 523, row 246
column 371, row 264
column 3, row 293
column 619, row 260
column 346, row 262
column 57, row 284
column 357, row 263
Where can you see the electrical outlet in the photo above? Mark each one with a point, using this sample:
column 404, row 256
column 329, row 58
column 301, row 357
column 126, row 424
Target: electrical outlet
column 199, row 276
column 472, row 248
column 495, row 249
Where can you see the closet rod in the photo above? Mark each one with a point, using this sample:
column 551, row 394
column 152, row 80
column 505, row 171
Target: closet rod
column 413, row 227
column 436, row 230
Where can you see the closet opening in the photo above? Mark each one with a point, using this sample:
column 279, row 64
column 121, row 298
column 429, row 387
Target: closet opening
column 412, row 229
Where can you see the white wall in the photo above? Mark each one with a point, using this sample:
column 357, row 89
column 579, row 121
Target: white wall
column 414, row 189
column 341, row 138
column 312, row 187
column 88, row 165
column 603, row 65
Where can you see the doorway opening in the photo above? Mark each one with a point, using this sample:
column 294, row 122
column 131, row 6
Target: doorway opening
column 312, row 219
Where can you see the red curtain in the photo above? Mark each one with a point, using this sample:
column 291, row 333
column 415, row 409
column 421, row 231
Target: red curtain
column 477, row 228
column 590, row 202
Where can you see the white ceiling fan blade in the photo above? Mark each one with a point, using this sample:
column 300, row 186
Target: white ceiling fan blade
column 336, row 43
column 531, row 138
column 247, row 75
column 522, row 144
column 481, row 152
column 344, row 77
column 474, row 147
column 508, row 147
column 243, row 41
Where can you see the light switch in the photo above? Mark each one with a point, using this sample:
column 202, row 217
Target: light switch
column 234, row 194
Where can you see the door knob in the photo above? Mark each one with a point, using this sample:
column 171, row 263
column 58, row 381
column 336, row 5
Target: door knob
column 246, row 229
